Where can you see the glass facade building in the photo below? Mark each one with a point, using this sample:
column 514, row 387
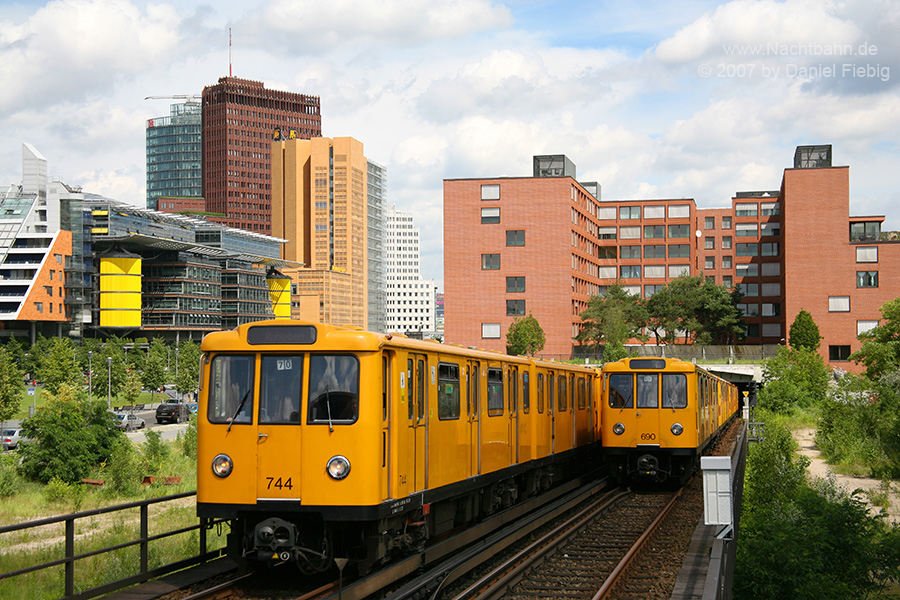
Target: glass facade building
column 175, row 154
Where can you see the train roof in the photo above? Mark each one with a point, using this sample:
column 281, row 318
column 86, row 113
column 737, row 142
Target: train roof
column 275, row 335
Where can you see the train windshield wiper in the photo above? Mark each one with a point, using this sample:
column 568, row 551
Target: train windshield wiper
column 328, row 408
column 240, row 406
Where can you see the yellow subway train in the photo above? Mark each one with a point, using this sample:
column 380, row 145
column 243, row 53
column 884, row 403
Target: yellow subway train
column 657, row 415
column 319, row 441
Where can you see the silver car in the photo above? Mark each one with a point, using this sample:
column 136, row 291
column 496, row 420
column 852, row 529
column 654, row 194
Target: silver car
column 11, row 439
column 129, row 422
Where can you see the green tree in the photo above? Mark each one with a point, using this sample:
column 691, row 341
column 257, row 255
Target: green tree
column 794, row 378
column 188, row 379
column 57, row 365
column 11, row 386
column 673, row 310
column 525, row 336
column 880, row 350
column 718, row 316
column 73, row 436
column 612, row 319
column 131, row 391
column 804, row 332
column 154, row 375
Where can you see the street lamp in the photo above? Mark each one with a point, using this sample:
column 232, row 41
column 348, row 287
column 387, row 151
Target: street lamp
column 90, row 377
column 176, row 374
column 109, row 382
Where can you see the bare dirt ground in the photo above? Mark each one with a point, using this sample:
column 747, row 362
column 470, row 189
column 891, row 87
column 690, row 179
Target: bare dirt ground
column 871, row 487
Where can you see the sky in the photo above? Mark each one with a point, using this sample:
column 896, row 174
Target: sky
column 679, row 99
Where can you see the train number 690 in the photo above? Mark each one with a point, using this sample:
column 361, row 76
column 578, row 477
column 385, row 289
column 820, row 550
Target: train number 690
column 648, row 436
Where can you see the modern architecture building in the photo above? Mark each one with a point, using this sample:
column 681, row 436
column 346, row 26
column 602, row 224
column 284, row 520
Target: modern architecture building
column 319, row 206
column 174, row 154
column 410, row 299
column 240, row 118
column 543, row 245
column 377, row 193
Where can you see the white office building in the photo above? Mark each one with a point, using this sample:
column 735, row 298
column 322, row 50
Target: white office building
column 410, row 299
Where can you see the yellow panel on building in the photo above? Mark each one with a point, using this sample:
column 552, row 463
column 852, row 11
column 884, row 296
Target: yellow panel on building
column 120, row 291
column 280, row 294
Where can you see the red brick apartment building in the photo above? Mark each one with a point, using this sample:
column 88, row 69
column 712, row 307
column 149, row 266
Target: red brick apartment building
column 545, row 244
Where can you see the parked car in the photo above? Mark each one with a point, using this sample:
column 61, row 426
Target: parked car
column 129, row 422
column 192, row 407
column 172, row 412
column 11, row 439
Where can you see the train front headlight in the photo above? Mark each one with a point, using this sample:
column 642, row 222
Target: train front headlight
column 677, row 428
column 222, row 465
column 618, row 429
column 338, row 467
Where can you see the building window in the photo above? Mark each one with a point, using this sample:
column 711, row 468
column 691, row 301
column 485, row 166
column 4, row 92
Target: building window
column 608, row 272
column 490, row 192
column 709, row 243
column 726, row 262
column 515, row 307
column 709, row 263
column 770, row 229
column 606, row 233
column 747, row 250
column 630, row 271
column 768, row 209
column 748, row 310
column 864, row 326
column 606, row 213
column 745, row 209
column 747, row 270
column 39, row 306
column 746, row 230
column 655, row 271
column 649, row 290
column 726, row 222
column 654, row 212
column 515, row 284
column 749, row 290
column 515, row 237
column 49, row 290
column 751, row 330
column 679, row 211
column 490, row 215
column 865, row 232
column 867, row 254
column 838, row 353
column 679, row 251
column 490, row 331
column 771, row 289
column 727, row 281
column 709, row 223
column 490, row 262
column 726, row 242
column 679, row 270
column 839, row 304
column 866, row 279
column 654, row 251
column 654, row 232
column 771, row 309
column 769, row 249
column 630, row 233
column 771, row 269
column 629, row 212
column 630, row 252
column 679, row 231
column 771, row 330
column 606, row 252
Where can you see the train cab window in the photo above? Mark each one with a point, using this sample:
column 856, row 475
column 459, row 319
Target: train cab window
column 333, row 389
column 526, row 394
column 281, row 381
column 448, row 391
column 674, row 390
column 495, row 392
column 621, row 390
column 647, row 390
column 231, row 389
column 562, row 399
column 540, row 393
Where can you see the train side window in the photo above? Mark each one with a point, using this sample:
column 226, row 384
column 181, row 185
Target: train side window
column 385, row 387
column 513, row 390
column 409, row 389
column 526, row 394
column 420, row 387
column 540, row 393
column 476, row 384
column 448, row 391
column 674, row 390
column 551, row 390
column 333, row 389
column 647, row 390
column 495, row 392
column 621, row 390
column 562, row 404
column 582, row 394
column 231, row 389
column 282, row 380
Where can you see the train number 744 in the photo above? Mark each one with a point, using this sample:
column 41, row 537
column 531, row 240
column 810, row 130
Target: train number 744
column 279, row 484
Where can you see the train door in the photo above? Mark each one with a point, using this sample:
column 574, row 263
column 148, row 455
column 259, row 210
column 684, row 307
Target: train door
column 412, row 451
column 512, row 377
column 473, row 397
column 647, row 409
column 551, row 408
column 278, row 427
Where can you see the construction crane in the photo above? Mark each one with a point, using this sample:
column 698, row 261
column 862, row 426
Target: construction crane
column 189, row 97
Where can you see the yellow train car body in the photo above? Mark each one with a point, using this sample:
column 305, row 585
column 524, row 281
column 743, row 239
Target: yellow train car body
column 362, row 443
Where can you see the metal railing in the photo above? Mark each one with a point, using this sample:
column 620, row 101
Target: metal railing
column 71, row 557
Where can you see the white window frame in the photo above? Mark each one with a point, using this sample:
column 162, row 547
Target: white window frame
column 838, row 303
column 490, row 191
column 490, row 331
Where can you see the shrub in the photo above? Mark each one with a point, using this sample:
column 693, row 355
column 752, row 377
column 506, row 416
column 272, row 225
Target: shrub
column 8, row 476
column 188, row 440
column 155, row 452
column 122, row 472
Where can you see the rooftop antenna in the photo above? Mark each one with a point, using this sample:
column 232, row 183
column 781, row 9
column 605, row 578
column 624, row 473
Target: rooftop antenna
column 229, row 51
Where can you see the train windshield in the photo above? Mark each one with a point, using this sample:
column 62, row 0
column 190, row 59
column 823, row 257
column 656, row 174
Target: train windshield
column 231, row 389
column 674, row 390
column 333, row 389
column 282, row 380
column 621, row 390
column 647, row 390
